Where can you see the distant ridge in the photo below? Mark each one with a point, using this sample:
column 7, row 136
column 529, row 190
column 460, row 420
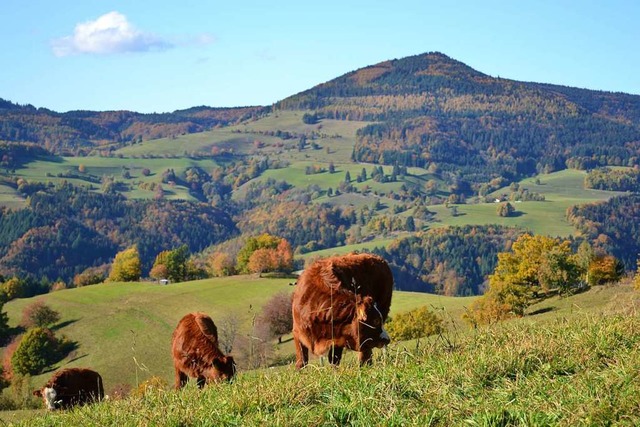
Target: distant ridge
column 434, row 110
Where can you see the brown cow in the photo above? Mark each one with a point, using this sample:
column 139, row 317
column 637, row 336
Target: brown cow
column 196, row 354
column 342, row 302
column 72, row 386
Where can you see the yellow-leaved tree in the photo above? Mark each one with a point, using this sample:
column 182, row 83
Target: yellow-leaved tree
column 535, row 267
column 126, row 266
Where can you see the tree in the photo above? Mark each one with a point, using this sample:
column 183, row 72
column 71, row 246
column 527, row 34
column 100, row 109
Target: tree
column 264, row 241
column 410, row 224
column 158, row 272
column 4, row 321
column 220, row 264
column 261, row 260
column 37, row 350
column 176, row 263
column 284, row 256
column 605, row 269
column 347, row 177
column 14, row 288
column 636, row 278
column 39, row 314
column 126, row 266
column 535, row 264
column 506, row 210
column 277, row 315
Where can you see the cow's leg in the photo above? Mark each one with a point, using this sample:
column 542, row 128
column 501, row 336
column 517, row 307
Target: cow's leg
column 302, row 353
column 365, row 357
column 335, row 354
column 201, row 381
column 181, row 379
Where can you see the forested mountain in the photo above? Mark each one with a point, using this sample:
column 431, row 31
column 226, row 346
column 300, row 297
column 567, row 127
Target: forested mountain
column 80, row 131
column 432, row 109
column 66, row 229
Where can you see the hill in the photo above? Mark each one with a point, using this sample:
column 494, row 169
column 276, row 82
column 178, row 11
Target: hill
column 134, row 321
column 79, row 132
column 572, row 361
column 433, row 110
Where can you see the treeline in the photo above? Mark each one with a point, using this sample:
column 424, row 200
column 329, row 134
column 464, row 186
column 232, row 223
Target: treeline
column 612, row 226
column 77, row 132
column 613, row 179
column 66, row 229
column 448, row 261
column 432, row 110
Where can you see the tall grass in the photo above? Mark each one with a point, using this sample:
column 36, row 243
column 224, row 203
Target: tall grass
column 563, row 372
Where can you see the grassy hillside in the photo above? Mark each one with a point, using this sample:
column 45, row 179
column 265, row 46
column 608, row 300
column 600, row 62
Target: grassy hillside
column 124, row 330
column 574, row 364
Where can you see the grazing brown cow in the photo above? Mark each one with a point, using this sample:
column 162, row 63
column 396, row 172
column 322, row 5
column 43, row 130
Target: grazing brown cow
column 342, row 302
column 72, row 386
column 196, row 354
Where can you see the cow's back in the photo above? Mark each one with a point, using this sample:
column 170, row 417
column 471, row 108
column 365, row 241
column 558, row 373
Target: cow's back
column 76, row 386
column 361, row 274
column 195, row 332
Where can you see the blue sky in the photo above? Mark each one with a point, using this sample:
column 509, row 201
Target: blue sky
column 158, row 56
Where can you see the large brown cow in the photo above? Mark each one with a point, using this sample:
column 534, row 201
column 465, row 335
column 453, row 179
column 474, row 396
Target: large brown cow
column 196, row 354
column 72, row 386
column 342, row 302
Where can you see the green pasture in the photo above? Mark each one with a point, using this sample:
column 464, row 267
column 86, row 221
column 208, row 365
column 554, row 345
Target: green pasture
column 561, row 190
column 335, row 139
column 571, row 361
column 123, row 330
column 10, row 198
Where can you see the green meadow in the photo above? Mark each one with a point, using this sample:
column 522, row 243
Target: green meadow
column 571, row 361
column 124, row 330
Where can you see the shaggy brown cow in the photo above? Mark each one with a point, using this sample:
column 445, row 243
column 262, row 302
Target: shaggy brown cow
column 72, row 386
column 342, row 302
column 196, row 354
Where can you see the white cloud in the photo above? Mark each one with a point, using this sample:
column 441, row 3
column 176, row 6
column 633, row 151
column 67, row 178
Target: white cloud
column 110, row 33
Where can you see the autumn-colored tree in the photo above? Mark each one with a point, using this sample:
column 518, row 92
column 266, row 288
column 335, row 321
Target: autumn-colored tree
column 14, row 288
column 220, row 264
column 39, row 314
column 534, row 266
column 261, row 260
column 90, row 276
column 284, row 256
column 276, row 313
column 264, row 241
column 159, row 271
column 82, row 168
column 126, row 266
column 605, row 269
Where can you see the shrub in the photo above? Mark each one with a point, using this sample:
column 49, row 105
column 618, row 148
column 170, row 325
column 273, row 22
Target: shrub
column 38, row 314
column 413, row 324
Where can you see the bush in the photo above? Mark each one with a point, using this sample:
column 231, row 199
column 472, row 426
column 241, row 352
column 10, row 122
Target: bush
column 414, row 324
column 39, row 315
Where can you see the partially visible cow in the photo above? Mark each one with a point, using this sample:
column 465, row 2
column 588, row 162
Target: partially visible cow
column 70, row 387
column 340, row 302
column 196, row 354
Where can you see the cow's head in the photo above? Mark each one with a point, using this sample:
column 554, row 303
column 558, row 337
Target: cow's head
column 370, row 331
column 224, row 368
column 47, row 394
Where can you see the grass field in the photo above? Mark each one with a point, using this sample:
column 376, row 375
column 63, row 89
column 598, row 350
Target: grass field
column 119, row 324
column 573, row 363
